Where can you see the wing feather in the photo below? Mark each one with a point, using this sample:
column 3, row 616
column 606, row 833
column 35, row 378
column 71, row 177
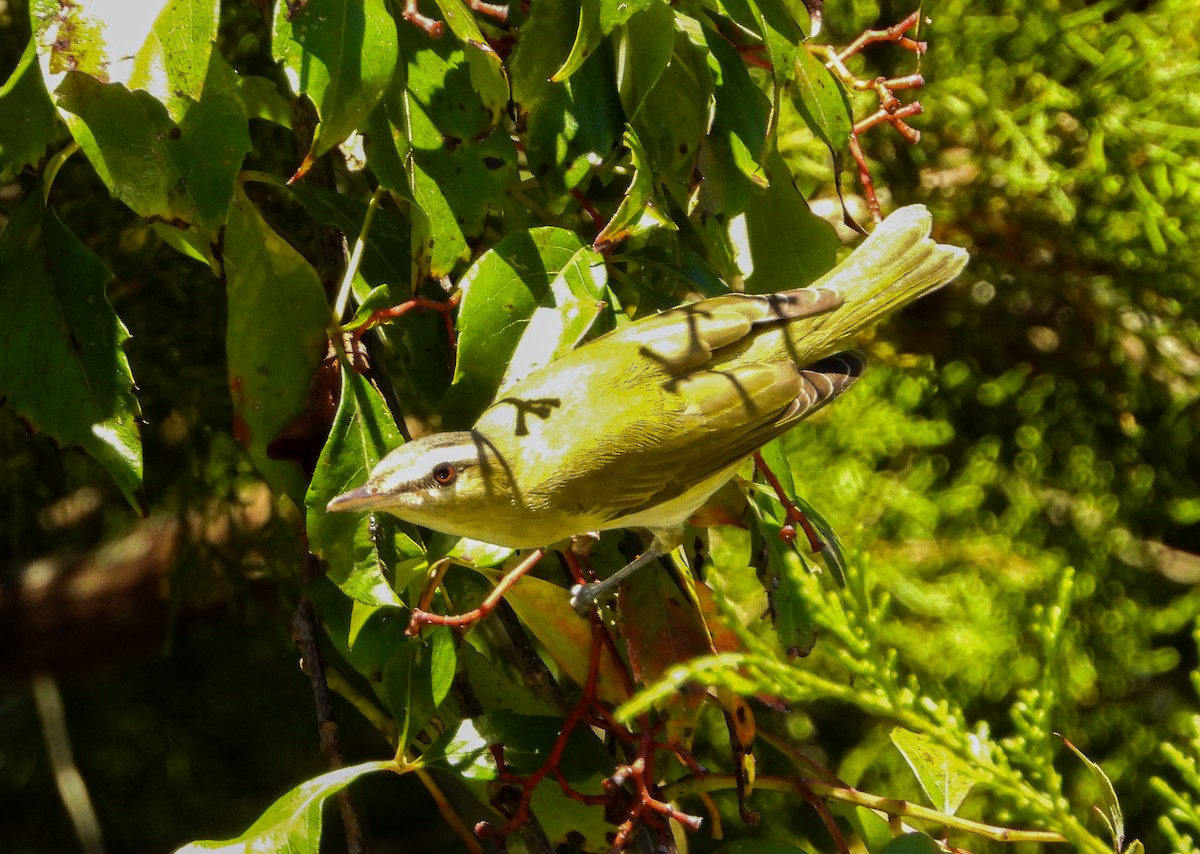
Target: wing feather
column 730, row 424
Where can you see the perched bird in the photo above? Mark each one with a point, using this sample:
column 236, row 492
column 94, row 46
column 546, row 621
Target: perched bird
column 638, row 427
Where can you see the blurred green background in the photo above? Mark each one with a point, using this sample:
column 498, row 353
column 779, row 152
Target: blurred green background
column 1039, row 416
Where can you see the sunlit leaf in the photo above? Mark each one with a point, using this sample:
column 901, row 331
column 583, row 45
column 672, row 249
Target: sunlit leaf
column 943, row 776
column 531, row 297
column 155, row 109
column 432, row 140
column 293, row 823
column 488, row 77
column 341, row 56
column 162, row 48
column 181, row 171
column 546, row 611
column 640, row 210
column 1112, row 813
column 825, row 108
column 872, row 828
column 787, row 245
column 570, row 126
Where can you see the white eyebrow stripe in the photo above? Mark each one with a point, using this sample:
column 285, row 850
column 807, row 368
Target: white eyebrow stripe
column 453, row 453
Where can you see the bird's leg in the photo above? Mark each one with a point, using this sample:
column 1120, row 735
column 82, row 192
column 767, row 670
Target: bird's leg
column 585, row 596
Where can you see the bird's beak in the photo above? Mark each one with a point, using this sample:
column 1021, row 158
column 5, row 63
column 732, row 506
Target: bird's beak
column 365, row 497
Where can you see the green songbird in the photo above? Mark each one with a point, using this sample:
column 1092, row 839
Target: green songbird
column 638, row 427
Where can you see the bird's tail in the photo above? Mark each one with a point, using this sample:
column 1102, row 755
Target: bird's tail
column 898, row 263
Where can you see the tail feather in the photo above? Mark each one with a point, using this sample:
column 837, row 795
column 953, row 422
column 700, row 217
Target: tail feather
column 898, row 263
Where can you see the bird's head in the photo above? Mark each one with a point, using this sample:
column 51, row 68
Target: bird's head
column 457, row 483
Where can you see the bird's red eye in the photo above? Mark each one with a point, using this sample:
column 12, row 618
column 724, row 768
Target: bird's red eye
column 444, row 474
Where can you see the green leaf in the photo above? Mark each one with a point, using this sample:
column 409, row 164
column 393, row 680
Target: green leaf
column 530, row 298
column 787, row 245
column 293, row 823
column 643, row 47
column 640, row 209
column 385, row 260
column 341, row 56
column 822, row 103
column 528, row 740
column 872, row 828
column 493, row 685
column 181, row 172
column 794, row 621
column 156, row 110
column 475, row 553
column 759, row 846
column 431, row 141
column 546, row 611
column 465, row 751
column 488, row 77
column 363, row 432
column 782, row 36
column 28, row 121
column 408, row 685
column 62, row 368
column 443, row 662
column 825, row 108
column 684, row 91
column 1112, row 814
column 913, row 843
column 942, row 775
column 587, row 37
column 164, row 49
column 732, row 152
column 263, row 100
column 778, row 455
column 569, row 126
column 173, row 62
column 366, row 636
column 598, row 18
column 274, row 340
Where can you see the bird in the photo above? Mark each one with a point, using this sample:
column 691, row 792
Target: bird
column 638, row 427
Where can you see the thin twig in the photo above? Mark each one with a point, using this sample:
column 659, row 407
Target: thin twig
column 304, row 635
column 421, row 617
column 71, row 788
column 889, row 806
